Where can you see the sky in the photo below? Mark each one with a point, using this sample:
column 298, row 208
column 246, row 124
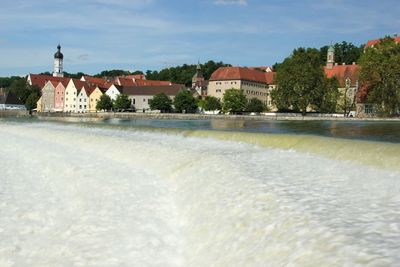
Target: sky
column 98, row 35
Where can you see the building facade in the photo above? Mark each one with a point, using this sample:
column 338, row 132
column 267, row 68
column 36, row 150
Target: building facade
column 254, row 83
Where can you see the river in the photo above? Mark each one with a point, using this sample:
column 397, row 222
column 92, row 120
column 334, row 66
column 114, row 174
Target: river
column 89, row 192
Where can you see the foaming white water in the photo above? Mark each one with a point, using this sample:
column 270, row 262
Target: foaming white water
column 73, row 196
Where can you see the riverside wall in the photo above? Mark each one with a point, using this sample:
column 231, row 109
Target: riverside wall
column 177, row 116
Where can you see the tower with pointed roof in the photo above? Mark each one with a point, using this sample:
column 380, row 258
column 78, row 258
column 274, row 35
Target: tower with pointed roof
column 330, row 60
column 58, row 63
column 198, row 77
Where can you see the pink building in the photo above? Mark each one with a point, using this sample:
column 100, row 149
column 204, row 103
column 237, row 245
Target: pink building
column 60, row 95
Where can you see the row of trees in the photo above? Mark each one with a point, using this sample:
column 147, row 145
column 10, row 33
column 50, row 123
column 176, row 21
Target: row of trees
column 380, row 77
column 234, row 101
column 121, row 103
column 302, row 84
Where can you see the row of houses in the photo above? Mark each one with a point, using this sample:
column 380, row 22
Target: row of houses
column 61, row 94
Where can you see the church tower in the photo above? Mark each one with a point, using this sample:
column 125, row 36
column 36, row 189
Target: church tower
column 198, row 77
column 330, row 61
column 58, row 63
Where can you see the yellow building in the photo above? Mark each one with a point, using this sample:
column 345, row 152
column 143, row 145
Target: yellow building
column 94, row 97
column 39, row 105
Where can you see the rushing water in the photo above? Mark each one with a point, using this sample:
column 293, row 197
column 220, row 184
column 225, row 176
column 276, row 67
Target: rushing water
column 117, row 193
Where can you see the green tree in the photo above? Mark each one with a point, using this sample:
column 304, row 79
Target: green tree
column 104, row 103
column 380, row 72
column 344, row 53
column 331, row 95
column 31, row 101
column 212, row 103
column 22, row 89
column 255, row 105
column 161, row 102
column 185, row 102
column 122, row 102
column 234, row 101
column 300, row 82
column 7, row 81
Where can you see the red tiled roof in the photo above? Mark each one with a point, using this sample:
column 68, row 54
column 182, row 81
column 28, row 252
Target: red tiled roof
column 103, row 83
column 135, row 76
column 40, row 80
column 341, row 72
column 270, row 76
column 171, row 90
column 376, row 41
column 241, row 73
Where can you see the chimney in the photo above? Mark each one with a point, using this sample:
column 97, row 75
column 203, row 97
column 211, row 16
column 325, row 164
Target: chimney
column 354, row 63
column 336, row 64
column 343, row 63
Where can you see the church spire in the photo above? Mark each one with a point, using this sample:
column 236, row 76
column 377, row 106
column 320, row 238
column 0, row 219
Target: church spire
column 58, row 63
column 330, row 60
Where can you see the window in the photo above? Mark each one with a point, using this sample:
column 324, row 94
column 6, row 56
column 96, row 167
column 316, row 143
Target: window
column 66, row 99
column 84, row 100
column 80, row 99
column 144, row 100
column 66, row 93
column 218, row 90
column 84, row 106
column 62, row 98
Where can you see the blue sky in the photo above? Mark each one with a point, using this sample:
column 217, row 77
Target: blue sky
column 151, row 34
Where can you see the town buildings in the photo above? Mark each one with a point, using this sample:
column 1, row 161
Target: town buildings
column 9, row 100
column 348, row 78
column 253, row 82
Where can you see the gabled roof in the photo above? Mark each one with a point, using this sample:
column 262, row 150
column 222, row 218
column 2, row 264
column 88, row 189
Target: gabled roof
column 372, row 43
column 241, row 73
column 96, row 81
column 10, row 99
column 170, row 90
column 342, row 72
column 40, row 80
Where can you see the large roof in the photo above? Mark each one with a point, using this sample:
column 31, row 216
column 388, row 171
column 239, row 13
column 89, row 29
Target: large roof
column 170, row 90
column 342, row 72
column 9, row 98
column 241, row 73
column 40, row 79
column 371, row 43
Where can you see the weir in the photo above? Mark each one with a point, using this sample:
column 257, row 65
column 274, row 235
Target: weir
column 107, row 194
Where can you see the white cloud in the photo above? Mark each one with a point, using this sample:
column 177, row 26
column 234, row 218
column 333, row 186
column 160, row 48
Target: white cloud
column 231, row 2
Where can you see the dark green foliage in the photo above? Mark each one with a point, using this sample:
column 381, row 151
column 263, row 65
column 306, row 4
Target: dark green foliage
column 183, row 74
column 380, row 72
column 115, row 73
column 104, row 103
column 32, row 100
column 161, row 102
column 185, row 102
column 74, row 75
column 300, row 82
column 22, row 89
column 211, row 103
column 7, row 81
column 344, row 53
column 234, row 101
column 330, row 97
column 122, row 102
column 255, row 105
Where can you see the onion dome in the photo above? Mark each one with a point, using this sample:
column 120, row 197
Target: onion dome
column 58, row 54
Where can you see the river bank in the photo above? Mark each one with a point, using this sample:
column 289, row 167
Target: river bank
column 178, row 116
